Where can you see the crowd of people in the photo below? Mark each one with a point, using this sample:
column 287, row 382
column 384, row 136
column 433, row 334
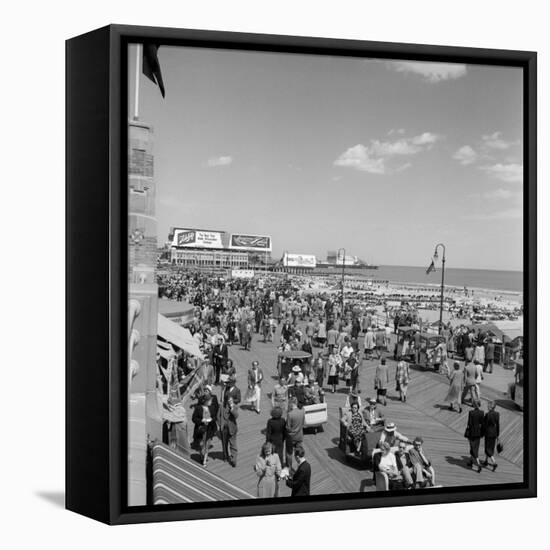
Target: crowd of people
column 229, row 312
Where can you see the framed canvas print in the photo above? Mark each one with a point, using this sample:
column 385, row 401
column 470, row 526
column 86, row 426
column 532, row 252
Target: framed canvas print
column 301, row 274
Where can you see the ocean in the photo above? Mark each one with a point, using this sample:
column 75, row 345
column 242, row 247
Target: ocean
column 509, row 281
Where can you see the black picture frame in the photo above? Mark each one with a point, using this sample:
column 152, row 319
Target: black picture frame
column 96, row 254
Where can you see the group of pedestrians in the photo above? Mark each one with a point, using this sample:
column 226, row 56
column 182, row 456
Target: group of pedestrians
column 483, row 426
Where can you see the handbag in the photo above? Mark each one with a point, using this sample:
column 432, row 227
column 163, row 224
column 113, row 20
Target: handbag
column 467, row 432
column 500, row 446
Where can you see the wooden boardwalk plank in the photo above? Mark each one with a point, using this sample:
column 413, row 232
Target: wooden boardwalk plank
column 424, row 414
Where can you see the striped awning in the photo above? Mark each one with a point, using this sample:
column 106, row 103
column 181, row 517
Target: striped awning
column 177, row 479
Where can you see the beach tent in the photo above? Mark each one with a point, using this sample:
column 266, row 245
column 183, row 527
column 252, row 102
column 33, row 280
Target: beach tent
column 178, row 336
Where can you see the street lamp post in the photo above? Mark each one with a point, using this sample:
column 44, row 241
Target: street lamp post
column 442, row 283
column 343, row 275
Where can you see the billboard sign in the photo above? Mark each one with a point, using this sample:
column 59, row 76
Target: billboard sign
column 347, row 260
column 261, row 243
column 197, row 239
column 299, row 260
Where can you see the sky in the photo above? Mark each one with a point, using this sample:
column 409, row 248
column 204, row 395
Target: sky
column 383, row 158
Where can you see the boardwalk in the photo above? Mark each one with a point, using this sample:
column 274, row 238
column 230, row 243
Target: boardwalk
column 424, row 414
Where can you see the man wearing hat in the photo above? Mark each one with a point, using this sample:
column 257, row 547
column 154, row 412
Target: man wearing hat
column 295, row 376
column 231, row 390
column 230, row 413
column 255, row 377
column 391, row 436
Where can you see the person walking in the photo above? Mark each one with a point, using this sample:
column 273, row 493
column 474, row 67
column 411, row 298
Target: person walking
column 491, row 427
column 254, row 392
column 268, row 469
column 279, row 396
column 381, row 382
column 275, row 432
column 230, row 413
column 470, row 383
column 332, row 338
column 332, row 371
column 474, row 433
column 294, row 430
column 300, row 481
column 456, row 388
column 402, row 378
column 204, row 418
column 489, row 356
column 369, row 343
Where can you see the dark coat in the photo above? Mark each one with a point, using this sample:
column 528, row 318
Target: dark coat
column 212, row 427
column 229, row 419
column 220, row 354
column 300, row 480
column 474, row 428
column 275, row 431
column 233, row 392
column 491, row 424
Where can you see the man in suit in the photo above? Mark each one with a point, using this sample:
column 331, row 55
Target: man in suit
column 294, row 429
column 231, row 391
column 422, row 467
column 230, row 413
column 255, row 377
column 381, row 381
column 474, row 433
column 220, row 358
column 300, row 481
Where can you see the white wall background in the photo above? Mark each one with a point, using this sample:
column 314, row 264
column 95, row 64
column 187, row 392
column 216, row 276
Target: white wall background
column 32, row 280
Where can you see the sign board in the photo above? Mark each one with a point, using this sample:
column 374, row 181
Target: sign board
column 261, row 243
column 299, row 260
column 346, row 260
column 197, row 239
column 242, row 273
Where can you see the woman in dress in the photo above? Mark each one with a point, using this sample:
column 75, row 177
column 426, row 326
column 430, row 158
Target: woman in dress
column 268, row 469
column 276, row 431
column 402, row 378
column 332, row 371
column 491, row 425
column 456, row 386
column 356, row 427
column 279, row 397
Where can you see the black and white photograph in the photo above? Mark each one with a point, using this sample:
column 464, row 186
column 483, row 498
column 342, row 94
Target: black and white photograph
column 325, row 275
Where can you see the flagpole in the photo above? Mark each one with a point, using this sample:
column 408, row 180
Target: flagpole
column 136, row 91
column 442, row 284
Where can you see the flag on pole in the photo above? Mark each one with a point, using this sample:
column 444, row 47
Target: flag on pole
column 430, row 268
column 151, row 65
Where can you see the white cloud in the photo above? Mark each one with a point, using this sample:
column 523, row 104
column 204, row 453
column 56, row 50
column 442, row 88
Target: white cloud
column 499, row 194
column 509, row 173
column 508, row 214
column 431, row 72
column 219, row 161
column 465, row 155
column 495, row 141
column 399, row 131
column 377, row 155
